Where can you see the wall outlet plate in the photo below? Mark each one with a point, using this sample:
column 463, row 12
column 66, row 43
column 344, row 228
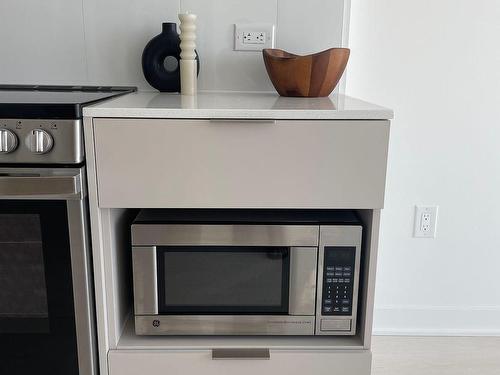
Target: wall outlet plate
column 425, row 221
column 253, row 36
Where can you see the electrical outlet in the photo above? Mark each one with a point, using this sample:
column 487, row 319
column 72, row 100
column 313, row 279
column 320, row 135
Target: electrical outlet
column 425, row 221
column 253, row 36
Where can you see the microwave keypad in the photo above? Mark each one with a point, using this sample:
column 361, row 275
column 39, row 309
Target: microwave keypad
column 338, row 280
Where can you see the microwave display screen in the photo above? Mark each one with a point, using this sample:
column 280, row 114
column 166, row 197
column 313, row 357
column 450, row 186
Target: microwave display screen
column 223, row 279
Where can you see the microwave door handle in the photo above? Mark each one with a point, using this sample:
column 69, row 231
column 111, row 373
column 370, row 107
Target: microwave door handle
column 43, row 187
column 243, row 353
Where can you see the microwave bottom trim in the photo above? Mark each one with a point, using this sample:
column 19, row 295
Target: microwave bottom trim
column 199, row 325
column 224, row 325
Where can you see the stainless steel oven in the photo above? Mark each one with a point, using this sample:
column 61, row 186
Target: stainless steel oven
column 46, row 296
column 241, row 275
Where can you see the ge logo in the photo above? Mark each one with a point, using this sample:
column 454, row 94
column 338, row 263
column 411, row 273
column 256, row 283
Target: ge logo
column 156, row 323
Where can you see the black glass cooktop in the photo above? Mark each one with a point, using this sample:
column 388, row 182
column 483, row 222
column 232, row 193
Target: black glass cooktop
column 52, row 102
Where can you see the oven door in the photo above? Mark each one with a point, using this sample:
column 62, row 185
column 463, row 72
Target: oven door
column 42, row 239
column 251, row 280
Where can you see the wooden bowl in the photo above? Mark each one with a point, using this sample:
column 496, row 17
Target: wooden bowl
column 311, row 76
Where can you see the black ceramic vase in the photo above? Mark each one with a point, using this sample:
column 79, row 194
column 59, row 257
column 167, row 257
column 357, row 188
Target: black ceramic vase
column 160, row 60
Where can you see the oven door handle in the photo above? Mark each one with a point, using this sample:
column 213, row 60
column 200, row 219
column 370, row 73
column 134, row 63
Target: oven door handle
column 18, row 186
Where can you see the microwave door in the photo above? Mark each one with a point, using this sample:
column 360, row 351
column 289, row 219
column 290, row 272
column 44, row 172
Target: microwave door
column 215, row 280
column 225, row 290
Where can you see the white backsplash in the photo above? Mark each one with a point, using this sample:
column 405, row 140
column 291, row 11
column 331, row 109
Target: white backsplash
column 101, row 41
column 223, row 68
column 116, row 32
column 42, row 41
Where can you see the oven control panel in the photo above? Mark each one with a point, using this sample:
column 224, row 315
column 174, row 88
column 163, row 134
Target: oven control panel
column 338, row 280
column 34, row 141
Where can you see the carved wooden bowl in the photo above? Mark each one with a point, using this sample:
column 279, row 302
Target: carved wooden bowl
column 306, row 76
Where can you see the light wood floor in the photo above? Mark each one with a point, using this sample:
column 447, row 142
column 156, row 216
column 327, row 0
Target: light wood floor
column 436, row 355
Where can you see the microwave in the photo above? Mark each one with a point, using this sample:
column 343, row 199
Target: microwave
column 246, row 272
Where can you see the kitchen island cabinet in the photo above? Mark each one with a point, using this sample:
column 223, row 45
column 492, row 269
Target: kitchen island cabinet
column 259, row 151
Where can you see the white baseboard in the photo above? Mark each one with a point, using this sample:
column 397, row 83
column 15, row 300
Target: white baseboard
column 437, row 320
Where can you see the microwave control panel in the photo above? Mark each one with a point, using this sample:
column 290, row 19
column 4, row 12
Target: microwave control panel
column 338, row 280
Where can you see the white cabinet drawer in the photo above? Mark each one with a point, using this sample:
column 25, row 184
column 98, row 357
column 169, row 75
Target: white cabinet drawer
column 129, row 362
column 245, row 164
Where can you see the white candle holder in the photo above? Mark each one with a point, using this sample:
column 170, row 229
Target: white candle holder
column 188, row 64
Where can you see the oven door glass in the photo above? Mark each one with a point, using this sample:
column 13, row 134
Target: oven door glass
column 37, row 324
column 223, row 280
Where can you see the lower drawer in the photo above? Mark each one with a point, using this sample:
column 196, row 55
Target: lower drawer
column 286, row 362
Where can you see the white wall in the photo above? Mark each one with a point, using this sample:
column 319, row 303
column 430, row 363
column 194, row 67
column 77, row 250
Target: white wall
column 437, row 63
column 101, row 41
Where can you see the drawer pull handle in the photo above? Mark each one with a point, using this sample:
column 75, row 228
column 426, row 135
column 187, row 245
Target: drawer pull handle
column 241, row 121
column 240, row 354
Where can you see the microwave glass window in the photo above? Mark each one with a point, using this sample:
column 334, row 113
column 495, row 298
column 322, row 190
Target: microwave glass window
column 224, row 279
column 23, row 292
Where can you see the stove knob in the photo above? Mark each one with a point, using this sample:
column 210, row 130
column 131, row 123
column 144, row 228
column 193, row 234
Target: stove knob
column 41, row 141
column 8, row 141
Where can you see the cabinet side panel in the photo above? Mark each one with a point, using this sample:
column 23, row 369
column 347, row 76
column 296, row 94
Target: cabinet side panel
column 97, row 249
column 371, row 222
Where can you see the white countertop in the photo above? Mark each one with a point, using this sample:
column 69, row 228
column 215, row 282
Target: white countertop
column 237, row 105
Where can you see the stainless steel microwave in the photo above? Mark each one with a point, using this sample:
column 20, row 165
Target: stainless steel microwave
column 196, row 275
